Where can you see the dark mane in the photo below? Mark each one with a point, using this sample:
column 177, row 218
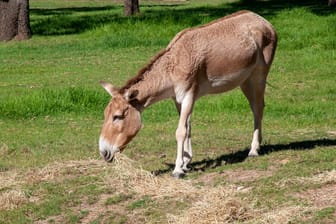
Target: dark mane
column 141, row 72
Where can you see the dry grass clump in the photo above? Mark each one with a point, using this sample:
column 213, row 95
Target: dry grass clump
column 59, row 171
column 216, row 205
column 281, row 215
column 327, row 177
column 8, row 179
column 12, row 199
column 9, row 198
column 128, row 173
column 210, row 204
column 11, row 182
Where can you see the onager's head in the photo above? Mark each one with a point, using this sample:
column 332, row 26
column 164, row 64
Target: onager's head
column 122, row 122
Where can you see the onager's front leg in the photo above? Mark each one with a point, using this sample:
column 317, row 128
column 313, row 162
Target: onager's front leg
column 187, row 149
column 182, row 134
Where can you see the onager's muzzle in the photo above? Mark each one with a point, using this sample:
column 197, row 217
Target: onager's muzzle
column 107, row 151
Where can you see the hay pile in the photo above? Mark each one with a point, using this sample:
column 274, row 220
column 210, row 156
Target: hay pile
column 129, row 173
column 210, row 204
column 220, row 204
column 214, row 206
column 13, row 182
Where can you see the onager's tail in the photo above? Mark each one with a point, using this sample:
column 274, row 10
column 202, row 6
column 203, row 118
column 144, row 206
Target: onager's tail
column 270, row 40
column 266, row 39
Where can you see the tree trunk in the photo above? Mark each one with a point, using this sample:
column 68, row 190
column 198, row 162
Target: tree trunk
column 14, row 20
column 131, row 7
column 332, row 3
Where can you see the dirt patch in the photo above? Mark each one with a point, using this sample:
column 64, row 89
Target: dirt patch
column 236, row 176
column 95, row 210
column 320, row 198
column 324, row 196
column 288, row 214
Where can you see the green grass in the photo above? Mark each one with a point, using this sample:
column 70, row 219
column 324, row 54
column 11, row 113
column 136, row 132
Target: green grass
column 51, row 104
column 144, row 202
column 48, row 102
column 117, row 199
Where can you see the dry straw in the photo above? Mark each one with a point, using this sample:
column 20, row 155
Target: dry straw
column 209, row 204
column 12, row 199
column 127, row 172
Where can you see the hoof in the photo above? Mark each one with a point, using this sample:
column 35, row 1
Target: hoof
column 178, row 175
column 253, row 154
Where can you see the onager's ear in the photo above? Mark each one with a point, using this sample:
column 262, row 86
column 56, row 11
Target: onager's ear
column 131, row 95
column 113, row 91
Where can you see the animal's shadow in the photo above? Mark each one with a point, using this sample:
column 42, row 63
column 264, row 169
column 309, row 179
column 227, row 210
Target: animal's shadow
column 240, row 156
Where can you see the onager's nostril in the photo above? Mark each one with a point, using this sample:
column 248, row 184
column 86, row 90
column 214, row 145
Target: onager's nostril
column 110, row 159
column 104, row 154
column 107, row 155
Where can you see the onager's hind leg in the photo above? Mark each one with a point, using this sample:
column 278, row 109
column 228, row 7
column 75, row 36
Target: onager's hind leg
column 187, row 149
column 254, row 90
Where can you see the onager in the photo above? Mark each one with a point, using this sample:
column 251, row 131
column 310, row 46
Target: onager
column 234, row 51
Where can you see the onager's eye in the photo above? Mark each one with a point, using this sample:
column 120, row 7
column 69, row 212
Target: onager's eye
column 117, row 117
